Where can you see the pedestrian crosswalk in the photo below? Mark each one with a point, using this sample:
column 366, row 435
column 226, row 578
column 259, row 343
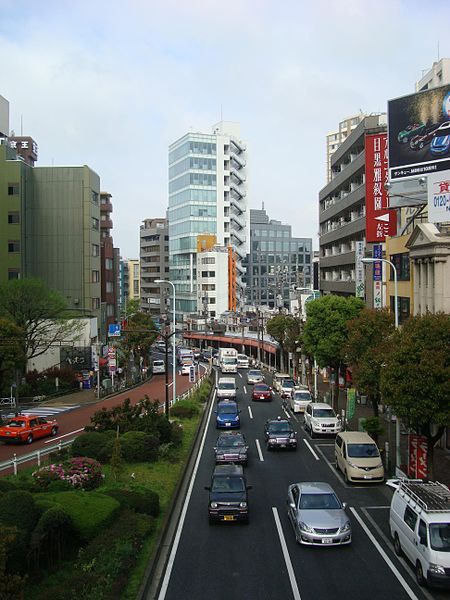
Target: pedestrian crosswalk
column 42, row 411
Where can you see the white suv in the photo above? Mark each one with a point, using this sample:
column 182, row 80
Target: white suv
column 159, row 366
column 320, row 419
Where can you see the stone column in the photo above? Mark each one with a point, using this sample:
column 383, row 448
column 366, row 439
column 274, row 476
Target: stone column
column 430, row 287
column 416, row 281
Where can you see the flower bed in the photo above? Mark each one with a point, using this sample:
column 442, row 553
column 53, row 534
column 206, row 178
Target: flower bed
column 80, row 472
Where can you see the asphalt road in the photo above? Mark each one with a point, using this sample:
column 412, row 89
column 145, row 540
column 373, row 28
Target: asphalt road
column 262, row 560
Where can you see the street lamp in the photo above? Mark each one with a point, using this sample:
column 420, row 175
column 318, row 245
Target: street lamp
column 174, row 371
column 367, row 261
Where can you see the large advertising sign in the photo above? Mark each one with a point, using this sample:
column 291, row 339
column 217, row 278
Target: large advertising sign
column 380, row 221
column 419, row 133
column 439, row 197
column 417, row 457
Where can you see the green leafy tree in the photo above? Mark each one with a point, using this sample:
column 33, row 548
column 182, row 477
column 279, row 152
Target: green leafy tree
column 285, row 329
column 365, row 351
column 12, row 585
column 12, row 357
column 325, row 332
column 415, row 380
column 138, row 337
column 40, row 313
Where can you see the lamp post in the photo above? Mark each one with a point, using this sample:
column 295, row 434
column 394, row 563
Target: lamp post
column 367, row 261
column 174, row 371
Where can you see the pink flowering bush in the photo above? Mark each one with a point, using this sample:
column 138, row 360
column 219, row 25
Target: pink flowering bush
column 80, row 472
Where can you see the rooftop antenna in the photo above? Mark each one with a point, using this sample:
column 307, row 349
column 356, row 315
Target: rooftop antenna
column 263, row 204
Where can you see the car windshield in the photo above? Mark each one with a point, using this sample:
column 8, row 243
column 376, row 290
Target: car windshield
column 281, row 427
column 302, row 396
column 440, row 536
column 227, row 484
column 158, row 363
column 255, row 374
column 242, row 357
column 362, row 450
column 16, row 423
column 319, row 501
column 261, row 387
column 226, row 386
column 228, row 409
column 288, row 383
column 230, row 441
column 229, row 360
column 324, row 413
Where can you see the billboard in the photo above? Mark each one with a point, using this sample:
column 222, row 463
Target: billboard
column 380, row 221
column 439, row 198
column 359, row 270
column 419, row 133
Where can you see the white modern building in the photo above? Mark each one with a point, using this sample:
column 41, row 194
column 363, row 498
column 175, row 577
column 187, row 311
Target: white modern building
column 213, row 282
column 439, row 74
column 207, row 196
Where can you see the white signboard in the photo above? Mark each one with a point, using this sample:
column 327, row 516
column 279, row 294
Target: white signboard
column 439, row 197
column 359, row 270
column 377, row 295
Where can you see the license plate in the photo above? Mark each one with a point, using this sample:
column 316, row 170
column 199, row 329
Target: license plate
column 367, row 476
column 261, row 397
column 227, row 424
column 228, row 518
column 282, row 445
column 327, row 540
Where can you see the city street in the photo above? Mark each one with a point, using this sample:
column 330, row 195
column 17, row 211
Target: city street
column 262, row 560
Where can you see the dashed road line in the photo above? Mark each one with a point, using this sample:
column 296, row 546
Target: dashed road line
column 240, row 375
column 245, row 389
column 53, row 439
column 250, row 412
column 258, row 447
column 287, row 558
column 308, row 445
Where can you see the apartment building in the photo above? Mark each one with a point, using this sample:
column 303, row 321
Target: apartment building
column 342, row 210
column 154, row 261
column 109, row 280
column 336, row 137
column 277, row 262
column 207, row 196
column 439, row 74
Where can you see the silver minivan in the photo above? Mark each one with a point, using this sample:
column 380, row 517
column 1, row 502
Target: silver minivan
column 158, row 367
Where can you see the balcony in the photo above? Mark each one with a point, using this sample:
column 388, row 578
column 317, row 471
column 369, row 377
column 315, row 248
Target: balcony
column 236, row 205
column 238, row 220
column 238, row 236
column 241, row 147
column 240, row 177
column 337, row 233
column 240, row 193
column 337, row 207
column 106, row 224
column 238, row 160
column 106, row 207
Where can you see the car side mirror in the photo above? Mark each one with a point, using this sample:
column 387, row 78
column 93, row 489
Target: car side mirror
column 295, row 433
column 291, row 505
column 249, row 487
column 207, row 487
column 344, row 505
column 423, row 540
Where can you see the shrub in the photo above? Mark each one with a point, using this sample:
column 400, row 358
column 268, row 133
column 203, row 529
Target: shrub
column 11, row 584
column 138, row 446
column 6, row 485
column 80, row 472
column 89, row 512
column 93, row 444
column 140, row 500
column 52, row 537
column 17, row 509
column 177, row 433
column 185, row 409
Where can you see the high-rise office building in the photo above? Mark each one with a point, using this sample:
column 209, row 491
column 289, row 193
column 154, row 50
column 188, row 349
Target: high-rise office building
column 277, row 262
column 207, row 196
column 335, row 138
column 154, row 259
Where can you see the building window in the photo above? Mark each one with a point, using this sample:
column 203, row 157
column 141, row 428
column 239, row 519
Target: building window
column 136, row 287
column 95, row 303
column 108, row 264
column 401, row 262
column 13, row 246
column 95, row 276
column 208, row 273
column 136, row 271
column 94, row 197
column 13, row 189
column 109, row 287
column 95, row 250
column 404, row 308
column 110, row 310
column 211, row 300
column 13, row 218
column 95, row 224
column 13, row 274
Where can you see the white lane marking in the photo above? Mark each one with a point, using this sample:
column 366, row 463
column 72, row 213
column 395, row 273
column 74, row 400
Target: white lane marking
column 250, row 412
column 310, row 449
column 287, row 558
column 245, row 389
column 171, row 561
column 286, row 413
column 240, row 375
column 386, row 558
column 333, row 470
column 388, row 543
column 258, row 447
column 63, row 436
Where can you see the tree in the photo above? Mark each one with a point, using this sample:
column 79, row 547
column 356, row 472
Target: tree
column 41, row 314
column 138, row 336
column 365, row 350
column 325, row 331
column 11, row 351
column 415, row 380
column 285, row 329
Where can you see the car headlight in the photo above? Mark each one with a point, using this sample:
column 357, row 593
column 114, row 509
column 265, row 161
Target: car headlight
column 213, row 505
column 353, row 465
column 346, row 527
column 236, row 418
column 436, row 569
column 379, row 465
column 243, row 505
column 292, row 436
column 304, row 527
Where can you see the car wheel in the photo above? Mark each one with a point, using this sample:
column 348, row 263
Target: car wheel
column 336, row 464
column 297, row 537
column 419, row 574
column 397, row 545
column 54, row 431
column 421, row 145
column 311, row 433
column 29, row 439
column 346, row 478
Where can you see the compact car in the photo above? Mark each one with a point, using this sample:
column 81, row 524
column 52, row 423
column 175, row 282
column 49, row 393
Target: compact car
column 279, row 433
column 27, row 428
column 231, row 447
column 228, row 497
column 262, row 391
column 227, row 415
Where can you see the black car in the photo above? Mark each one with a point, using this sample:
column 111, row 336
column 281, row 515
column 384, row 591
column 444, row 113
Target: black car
column 231, row 447
column 279, row 433
column 228, row 498
column 206, row 355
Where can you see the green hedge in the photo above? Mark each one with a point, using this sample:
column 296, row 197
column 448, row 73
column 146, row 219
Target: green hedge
column 138, row 446
column 94, row 444
column 90, row 511
column 185, row 409
column 141, row 500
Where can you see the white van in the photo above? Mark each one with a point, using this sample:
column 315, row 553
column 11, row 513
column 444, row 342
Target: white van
column 226, row 388
column 357, row 457
column 242, row 361
column 300, row 399
column 159, row 366
column 419, row 520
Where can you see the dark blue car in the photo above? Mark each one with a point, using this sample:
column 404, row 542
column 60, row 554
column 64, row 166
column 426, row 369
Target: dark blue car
column 227, row 415
column 440, row 144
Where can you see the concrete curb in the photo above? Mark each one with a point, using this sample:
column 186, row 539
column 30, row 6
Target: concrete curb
column 155, row 571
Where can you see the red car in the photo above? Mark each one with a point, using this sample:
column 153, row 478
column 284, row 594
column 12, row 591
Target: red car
column 262, row 391
column 26, row 429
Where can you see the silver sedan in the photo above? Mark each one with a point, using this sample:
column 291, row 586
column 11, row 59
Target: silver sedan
column 254, row 376
column 317, row 515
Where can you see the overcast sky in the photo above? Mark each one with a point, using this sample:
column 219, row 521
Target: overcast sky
column 111, row 84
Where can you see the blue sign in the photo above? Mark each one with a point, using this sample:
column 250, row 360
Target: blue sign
column 114, row 330
column 377, row 266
